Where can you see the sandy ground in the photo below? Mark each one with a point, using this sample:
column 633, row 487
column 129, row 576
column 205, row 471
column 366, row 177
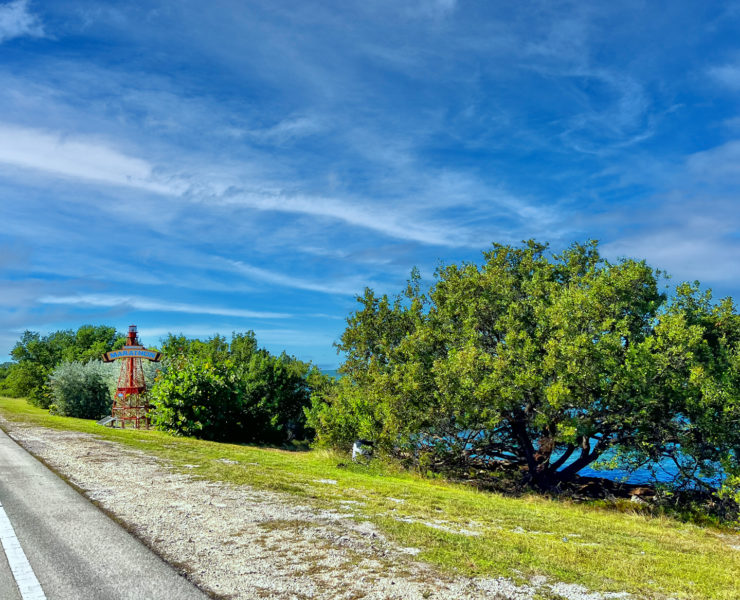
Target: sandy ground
column 239, row 542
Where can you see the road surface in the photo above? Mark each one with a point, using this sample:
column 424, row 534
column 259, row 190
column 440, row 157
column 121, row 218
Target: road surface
column 56, row 545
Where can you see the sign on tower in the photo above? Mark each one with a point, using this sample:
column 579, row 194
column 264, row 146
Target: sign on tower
column 130, row 404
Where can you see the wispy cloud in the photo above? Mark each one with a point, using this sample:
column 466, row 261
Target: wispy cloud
column 288, row 129
column 17, row 21
column 691, row 228
column 75, row 157
column 727, row 75
column 138, row 303
column 351, row 287
column 686, row 252
column 716, row 165
column 431, row 8
column 95, row 161
column 390, row 221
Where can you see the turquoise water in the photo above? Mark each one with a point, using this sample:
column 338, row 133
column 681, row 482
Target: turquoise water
column 665, row 471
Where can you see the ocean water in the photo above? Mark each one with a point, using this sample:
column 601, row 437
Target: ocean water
column 665, row 471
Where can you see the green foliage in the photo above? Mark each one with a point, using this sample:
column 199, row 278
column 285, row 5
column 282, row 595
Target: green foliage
column 275, row 392
column 81, row 390
column 36, row 356
column 234, row 391
column 199, row 399
column 4, row 372
column 697, row 351
column 215, row 349
column 531, row 360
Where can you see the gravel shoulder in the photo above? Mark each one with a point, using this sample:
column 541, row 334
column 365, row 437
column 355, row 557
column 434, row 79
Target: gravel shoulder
column 239, row 542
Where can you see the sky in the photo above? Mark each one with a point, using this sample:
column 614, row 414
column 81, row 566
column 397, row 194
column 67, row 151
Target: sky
column 204, row 168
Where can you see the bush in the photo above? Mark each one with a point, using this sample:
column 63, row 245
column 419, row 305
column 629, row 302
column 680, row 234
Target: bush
column 276, row 390
column 81, row 390
column 233, row 392
column 198, row 398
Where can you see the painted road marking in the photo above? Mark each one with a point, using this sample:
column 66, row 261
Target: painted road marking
column 25, row 578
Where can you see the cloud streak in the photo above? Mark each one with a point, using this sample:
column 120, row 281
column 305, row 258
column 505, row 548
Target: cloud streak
column 727, row 75
column 389, row 221
column 94, row 161
column 347, row 287
column 17, row 21
column 144, row 304
column 74, row 157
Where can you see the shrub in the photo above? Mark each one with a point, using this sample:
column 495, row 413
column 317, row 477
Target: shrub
column 81, row 390
column 233, row 392
column 198, row 398
column 275, row 391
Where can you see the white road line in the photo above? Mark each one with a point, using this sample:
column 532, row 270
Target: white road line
column 28, row 585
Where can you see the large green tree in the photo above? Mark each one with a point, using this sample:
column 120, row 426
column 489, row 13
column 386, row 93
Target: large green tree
column 542, row 362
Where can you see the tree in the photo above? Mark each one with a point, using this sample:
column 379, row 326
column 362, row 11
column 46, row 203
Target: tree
column 696, row 358
column 36, row 356
column 276, row 391
column 538, row 362
column 4, row 372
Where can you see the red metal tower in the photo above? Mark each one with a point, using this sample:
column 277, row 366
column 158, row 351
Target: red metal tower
column 130, row 404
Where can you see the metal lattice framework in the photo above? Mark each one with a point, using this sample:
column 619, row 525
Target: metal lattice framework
column 130, row 405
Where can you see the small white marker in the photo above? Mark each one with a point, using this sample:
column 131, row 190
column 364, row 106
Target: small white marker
column 25, row 578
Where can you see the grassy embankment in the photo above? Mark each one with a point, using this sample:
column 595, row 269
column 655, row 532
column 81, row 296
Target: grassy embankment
column 653, row 558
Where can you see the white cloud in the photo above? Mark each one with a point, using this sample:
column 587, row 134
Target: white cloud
column 17, row 21
column 728, row 75
column 94, row 161
column 686, row 253
column 354, row 286
column 383, row 219
column 720, row 164
column 138, row 303
column 692, row 230
column 289, row 129
column 77, row 158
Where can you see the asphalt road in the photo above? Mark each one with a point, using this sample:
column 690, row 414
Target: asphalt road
column 73, row 550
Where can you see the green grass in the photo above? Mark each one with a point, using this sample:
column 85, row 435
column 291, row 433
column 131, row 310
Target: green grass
column 519, row 537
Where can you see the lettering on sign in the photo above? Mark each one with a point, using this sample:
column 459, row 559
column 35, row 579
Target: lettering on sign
column 129, row 352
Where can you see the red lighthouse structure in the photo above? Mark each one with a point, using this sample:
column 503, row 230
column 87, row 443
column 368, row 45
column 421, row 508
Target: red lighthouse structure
column 130, row 404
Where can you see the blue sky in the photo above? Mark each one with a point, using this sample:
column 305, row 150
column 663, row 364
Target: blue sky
column 223, row 166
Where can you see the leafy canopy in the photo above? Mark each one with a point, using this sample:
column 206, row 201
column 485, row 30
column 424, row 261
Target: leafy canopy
column 36, row 356
column 541, row 362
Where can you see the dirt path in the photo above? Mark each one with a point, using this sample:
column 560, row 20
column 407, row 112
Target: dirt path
column 238, row 542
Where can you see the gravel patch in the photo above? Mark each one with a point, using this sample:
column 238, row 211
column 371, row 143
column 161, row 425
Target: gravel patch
column 243, row 543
